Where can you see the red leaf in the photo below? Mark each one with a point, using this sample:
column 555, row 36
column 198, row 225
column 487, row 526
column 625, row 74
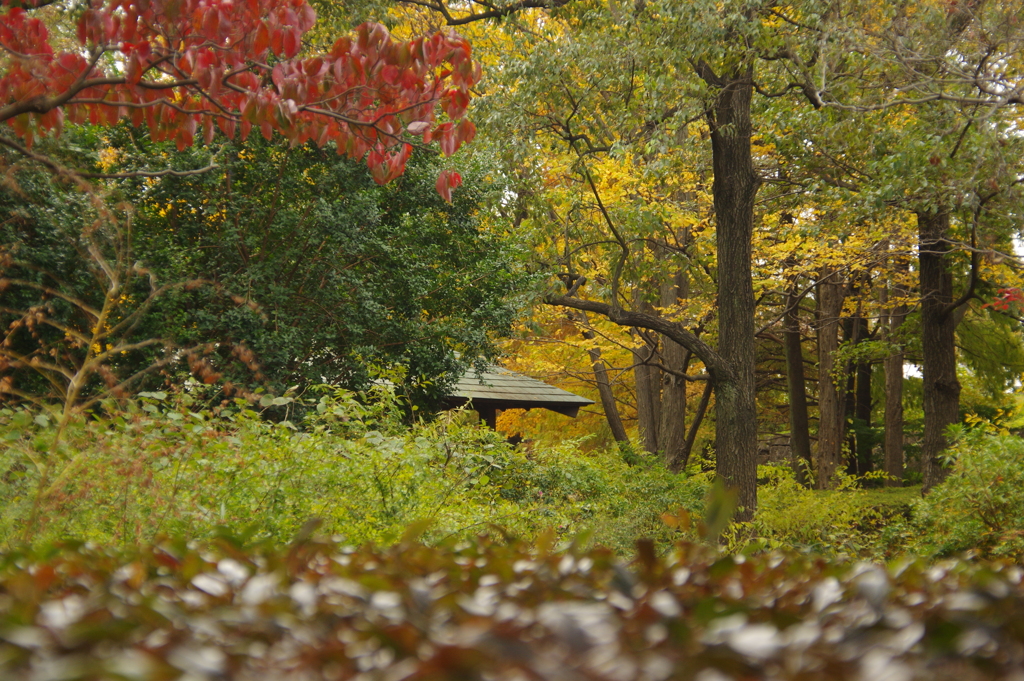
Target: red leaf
column 314, row 67
column 307, row 17
column 211, row 23
column 277, row 42
column 261, row 42
column 446, row 182
column 82, row 26
column 418, row 127
column 467, row 131
column 342, row 46
column 291, row 43
column 447, row 134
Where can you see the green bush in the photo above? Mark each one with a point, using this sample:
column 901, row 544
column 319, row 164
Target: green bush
column 789, row 514
column 160, row 467
column 980, row 506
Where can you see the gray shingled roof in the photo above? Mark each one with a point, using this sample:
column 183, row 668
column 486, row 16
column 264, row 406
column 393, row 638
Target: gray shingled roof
column 504, row 389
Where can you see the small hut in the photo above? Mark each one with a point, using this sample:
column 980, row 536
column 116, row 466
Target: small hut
column 496, row 389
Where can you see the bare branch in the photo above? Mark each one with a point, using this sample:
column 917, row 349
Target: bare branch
column 71, row 173
column 716, row 364
column 148, row 173
column 493, row 13
column 81, row 305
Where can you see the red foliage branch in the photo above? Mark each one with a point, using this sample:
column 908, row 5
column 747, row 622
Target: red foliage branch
column 181, row 67
column 1007, row 299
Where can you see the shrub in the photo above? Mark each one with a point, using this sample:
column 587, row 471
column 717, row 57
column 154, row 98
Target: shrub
column 160, row 467
column 838, row 521
column 980, row 506
column 481, row 610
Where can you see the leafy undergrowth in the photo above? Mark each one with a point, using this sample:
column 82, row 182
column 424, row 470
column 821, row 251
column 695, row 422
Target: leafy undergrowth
column 850, row 520
column 479, row 610
column 164, row 466
column 893, row 500
column 167, row 467
column 980, row 506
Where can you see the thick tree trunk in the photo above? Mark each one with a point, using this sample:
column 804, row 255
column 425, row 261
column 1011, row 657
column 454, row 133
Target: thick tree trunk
column 799, row 430
column 893, row 366
column 647, row 381
column 940, row 385
column 735, row 188
column 672, row 430
column 831, row 407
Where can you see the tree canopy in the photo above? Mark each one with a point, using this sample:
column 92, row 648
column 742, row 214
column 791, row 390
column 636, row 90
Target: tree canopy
column 183, row 67
column 290, row 266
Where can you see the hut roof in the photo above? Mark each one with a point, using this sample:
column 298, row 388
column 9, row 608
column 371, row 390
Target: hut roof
column 499, row 388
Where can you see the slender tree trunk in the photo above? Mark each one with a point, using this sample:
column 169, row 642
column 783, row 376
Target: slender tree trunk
column 894, row 420
column 850, row 330
column 647, row 380
column 799, row 430
column 735, row 188
column 672, row 430
column 862, row 413
column 831, row 408
column 940, row 385
column 698, row 417
column 894, row 398
column 604, row 386
column 648, row 405
column 858, row 402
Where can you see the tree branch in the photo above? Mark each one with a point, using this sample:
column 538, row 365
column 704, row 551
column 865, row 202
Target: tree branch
column 972, row 283
column 493, row 13
column 717, row 366
column 58, row 169
column 148, row 173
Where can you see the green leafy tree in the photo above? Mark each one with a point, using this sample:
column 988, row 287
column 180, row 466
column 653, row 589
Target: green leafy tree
column 293, row 266
column 334, row 272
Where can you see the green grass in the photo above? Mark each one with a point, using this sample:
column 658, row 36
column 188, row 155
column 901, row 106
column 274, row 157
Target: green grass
column 889, row 497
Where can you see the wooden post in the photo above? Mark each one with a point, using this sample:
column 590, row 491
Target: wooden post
column 488, row 414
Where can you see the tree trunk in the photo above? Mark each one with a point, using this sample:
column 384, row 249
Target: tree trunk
column 648, row 398
column 647, row 381
column 672, row 430
column 735, row 188
column 893, row 444
column 862, row 414
column 850, row 329
column 831, row 408
column 604, row 386
column 858, row 407
column 940, row 385
column 799, row 430
column 679, row 464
